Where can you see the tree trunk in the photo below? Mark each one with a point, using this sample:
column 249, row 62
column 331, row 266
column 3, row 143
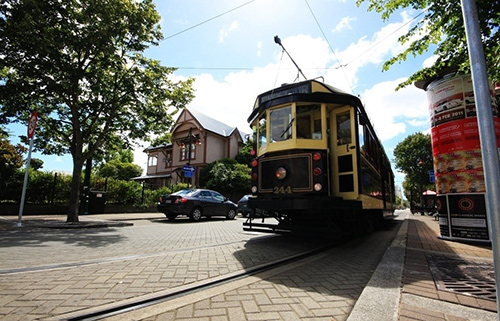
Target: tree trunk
column 75, row 191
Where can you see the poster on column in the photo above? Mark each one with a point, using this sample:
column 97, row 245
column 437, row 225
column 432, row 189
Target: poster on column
column 468, row 216
column 456, row 148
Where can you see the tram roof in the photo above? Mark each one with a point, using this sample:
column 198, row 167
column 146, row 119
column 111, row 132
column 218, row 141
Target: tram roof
column 309, row 90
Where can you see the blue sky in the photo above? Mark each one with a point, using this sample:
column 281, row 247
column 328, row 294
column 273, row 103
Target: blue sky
column 228, row 47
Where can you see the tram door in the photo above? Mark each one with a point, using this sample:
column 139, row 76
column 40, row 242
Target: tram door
column 343, row 135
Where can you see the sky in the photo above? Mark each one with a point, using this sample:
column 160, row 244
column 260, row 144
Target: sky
column 228, row 47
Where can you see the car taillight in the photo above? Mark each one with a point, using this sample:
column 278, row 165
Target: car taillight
column 181, row 200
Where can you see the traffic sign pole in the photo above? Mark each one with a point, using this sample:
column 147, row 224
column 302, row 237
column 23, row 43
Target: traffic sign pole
column 31, row 133
column 23, row 194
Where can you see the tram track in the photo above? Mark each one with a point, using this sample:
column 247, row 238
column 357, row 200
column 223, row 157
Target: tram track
column 180, row 294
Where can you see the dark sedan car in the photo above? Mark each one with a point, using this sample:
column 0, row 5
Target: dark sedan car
column 196, row 203
column 243, row 206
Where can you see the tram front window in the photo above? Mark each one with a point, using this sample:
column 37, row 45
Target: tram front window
column 281, row 124
column 309, row 121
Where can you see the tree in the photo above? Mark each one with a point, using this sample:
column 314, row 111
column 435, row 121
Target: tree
column 11, row 158
column 80, row 64
column 226, row 175
column 162, row 140
column 414, row 158
column 245, row 155
column 442, row 26
column 36, row 164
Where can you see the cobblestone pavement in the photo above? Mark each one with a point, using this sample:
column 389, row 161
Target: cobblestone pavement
column 48, row 273
column 324, row 287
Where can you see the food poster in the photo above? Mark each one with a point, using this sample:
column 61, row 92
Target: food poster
column 457, row 155
column 455, row 136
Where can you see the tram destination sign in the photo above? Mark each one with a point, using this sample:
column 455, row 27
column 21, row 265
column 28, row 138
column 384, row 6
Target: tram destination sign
column 287, row 90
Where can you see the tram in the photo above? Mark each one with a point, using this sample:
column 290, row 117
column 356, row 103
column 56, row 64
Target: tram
column 318, row 164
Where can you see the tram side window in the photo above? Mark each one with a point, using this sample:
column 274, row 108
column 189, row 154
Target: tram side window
column 309, row 121
column 281, row 124
column 344, row 128
column 262, row 131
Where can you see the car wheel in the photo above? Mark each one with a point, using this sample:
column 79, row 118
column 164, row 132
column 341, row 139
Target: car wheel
column 171, row 217
column 231, row 214
column 196, row 214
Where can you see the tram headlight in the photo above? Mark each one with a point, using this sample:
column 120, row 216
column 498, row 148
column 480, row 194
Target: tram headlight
column 254, row 163
column 318, row 187
column 280, row 173
column 316, row 156
column 254, row 189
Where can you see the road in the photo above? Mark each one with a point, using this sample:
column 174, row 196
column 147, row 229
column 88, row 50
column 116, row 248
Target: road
column 55, row 273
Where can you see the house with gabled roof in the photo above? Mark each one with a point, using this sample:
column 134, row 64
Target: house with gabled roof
column 197, row 140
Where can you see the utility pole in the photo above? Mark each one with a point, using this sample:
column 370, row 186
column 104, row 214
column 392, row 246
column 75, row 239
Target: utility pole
column 487, row 134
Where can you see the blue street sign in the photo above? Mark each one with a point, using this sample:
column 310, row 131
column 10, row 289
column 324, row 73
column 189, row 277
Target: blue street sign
column 432, row 177
column 187, row 168
column 188, row 174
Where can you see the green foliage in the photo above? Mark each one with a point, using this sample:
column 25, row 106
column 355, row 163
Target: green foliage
column 226, row 175
column 36, row 164
column 414, row 159
column 442, row 28
column 42, row 188
column 162, row 140
column 151, row 197
column 119, row 170
column 244, row 156
column 11, row 158
column 80, row 64
column 123, row 192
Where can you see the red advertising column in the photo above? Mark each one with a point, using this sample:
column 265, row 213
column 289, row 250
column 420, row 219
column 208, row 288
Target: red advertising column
column 457, row 158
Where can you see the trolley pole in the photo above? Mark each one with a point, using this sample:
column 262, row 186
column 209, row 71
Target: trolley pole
column 487, row 136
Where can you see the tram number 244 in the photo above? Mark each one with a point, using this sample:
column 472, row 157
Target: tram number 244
column 282, row 190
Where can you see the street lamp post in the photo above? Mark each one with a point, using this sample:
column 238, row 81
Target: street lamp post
column 189, row 140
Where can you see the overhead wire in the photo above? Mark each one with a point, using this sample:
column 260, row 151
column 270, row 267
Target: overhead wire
column 328, row 42
column 208, row 20
column 340, row 66
column 383, row 39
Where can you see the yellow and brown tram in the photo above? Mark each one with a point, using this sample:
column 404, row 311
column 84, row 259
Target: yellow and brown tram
column 318, row 162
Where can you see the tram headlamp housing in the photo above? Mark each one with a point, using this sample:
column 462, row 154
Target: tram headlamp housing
column 280, row 173
column 318, row 187
column 254, row 189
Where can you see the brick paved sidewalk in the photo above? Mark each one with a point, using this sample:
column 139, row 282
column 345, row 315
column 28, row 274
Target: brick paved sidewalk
column 430, row 291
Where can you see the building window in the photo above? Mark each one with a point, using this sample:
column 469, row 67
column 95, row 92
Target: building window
column 184, row 152
column 168, row 160
column 152, row 160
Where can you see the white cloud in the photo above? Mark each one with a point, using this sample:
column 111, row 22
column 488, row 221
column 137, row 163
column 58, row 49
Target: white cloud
column 391, row 111
column 231, row 99
column 259, row 47
column 429, row 62
column 345, row 23
column 225, row 31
